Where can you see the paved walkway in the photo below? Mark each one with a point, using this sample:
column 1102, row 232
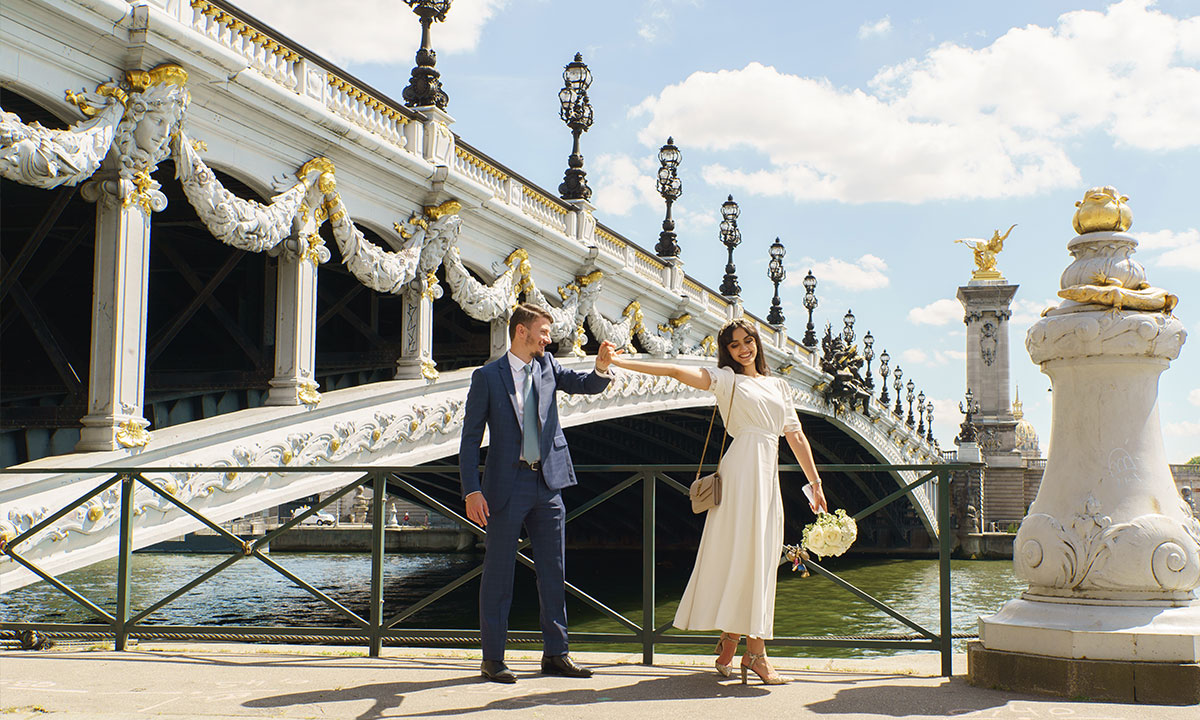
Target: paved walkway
column 202, row 681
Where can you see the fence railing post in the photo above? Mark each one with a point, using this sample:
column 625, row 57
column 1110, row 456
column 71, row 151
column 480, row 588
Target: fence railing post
column 379, row 492
column 649, row 484
column 124, row 571
column 943, row 511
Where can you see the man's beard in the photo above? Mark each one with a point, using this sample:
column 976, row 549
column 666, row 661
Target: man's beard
column 539, row 350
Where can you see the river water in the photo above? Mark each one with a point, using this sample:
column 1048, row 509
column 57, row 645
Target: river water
column 250, row 593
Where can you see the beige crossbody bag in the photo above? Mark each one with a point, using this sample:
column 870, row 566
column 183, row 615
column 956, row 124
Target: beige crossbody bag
column 705, row 492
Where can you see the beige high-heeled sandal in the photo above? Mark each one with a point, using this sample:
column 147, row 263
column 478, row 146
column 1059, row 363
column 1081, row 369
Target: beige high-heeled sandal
column 725, row 670
column 769, row 678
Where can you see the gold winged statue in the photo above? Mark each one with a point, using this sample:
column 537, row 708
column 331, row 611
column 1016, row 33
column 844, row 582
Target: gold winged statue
column 985, row 254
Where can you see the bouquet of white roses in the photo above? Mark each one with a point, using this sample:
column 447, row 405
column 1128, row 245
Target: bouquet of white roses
column 831, row 535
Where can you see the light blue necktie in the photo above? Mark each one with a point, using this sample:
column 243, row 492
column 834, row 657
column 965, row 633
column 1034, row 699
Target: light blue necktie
column 529, row 421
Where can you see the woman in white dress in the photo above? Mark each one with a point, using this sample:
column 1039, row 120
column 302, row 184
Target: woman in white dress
column 732, row 587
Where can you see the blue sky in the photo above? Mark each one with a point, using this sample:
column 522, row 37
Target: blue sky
column 868, row 136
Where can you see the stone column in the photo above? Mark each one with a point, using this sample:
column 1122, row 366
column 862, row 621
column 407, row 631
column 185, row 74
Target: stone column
column 294, row 382
column 986, row 305
column 120, row 280
column 1109, row 549
column 499, row 338
column 416, row 349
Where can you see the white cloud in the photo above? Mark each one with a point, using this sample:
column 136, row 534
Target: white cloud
column 1168, row 248
column 1183, row 428
column 1194, row 397
column 960, row 122
column 879, row 28
column 938, row 312
column 621, row 182
column 1027, row 312
column 913, row 356
column 866, row 273
column 372, row 31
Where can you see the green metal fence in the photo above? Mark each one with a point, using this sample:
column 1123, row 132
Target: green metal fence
column 377, row 629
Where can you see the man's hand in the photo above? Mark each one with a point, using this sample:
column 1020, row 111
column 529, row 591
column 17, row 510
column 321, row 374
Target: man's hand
column 477, row 509
column 604, row 358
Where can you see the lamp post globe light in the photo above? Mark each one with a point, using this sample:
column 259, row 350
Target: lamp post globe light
column 848, row 327
column 898, row 410
column 868, row 354
column 929, row 424
column 425, row 85
column 921, row 414
column 776, row 274
column 810, row 303
column 670, row 187
column 576, row 111
column 884, row 370
column 731, row 237
column 910, row 420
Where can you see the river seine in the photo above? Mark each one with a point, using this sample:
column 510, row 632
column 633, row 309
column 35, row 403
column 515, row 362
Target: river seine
column 249, row 593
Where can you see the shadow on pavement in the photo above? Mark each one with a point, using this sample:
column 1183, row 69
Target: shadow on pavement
column 952, row 697
column 385, row 696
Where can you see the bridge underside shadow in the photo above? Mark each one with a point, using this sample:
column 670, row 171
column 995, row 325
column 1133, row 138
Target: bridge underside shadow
column 677, row 437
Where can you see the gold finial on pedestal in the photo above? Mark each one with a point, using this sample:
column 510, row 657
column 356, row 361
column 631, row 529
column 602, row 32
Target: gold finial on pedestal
column 1102, row 209
column 985, row 254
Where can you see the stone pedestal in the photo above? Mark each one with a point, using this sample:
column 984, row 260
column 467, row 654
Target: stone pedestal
column 294, row 382
column 1109, row 549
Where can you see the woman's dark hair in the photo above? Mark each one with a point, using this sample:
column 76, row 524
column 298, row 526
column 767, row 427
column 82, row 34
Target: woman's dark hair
column 725, row 336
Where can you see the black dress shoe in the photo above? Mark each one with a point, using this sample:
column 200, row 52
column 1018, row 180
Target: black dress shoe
column 497, row 671
column 563, row 665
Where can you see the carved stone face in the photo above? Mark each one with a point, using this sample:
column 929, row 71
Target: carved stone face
column 153, row 132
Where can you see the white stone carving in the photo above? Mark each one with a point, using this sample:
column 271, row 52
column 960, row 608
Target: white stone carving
column 244, row 224
column 1066, row 334
column 618, row 333
column 486, row 302
column 44, row 158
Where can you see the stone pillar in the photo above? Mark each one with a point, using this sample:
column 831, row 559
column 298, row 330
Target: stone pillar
column 499, row 339
column 416, row 348
column 986, row 305
column 120, row 281
column 1109, row 549
column 294, row 382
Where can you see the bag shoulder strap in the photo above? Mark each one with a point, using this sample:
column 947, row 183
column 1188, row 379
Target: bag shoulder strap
column 707, row 435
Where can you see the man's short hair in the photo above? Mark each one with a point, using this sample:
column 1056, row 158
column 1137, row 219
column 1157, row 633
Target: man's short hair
column 525, row 314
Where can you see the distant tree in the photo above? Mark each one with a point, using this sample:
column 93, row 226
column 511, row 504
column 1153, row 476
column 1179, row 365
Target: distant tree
column 1194, row 461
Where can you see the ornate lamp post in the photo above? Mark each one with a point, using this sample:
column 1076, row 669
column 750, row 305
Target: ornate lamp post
column 425, row 86
column 670, row 187
column 576, row 112
column 810, row 303
column 848, row 327
column 732, row 237
column 868, row 353
column 966, row 431
column 921, row 414
column 929, row 426
column 884, row 370
column 898, row 411
column 910, row 421
column 776, row 274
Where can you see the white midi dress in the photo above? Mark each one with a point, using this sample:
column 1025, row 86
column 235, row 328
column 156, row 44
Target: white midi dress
column 732, row 587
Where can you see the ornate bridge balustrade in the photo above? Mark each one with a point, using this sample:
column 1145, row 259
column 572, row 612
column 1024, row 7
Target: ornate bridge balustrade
column 412, row 211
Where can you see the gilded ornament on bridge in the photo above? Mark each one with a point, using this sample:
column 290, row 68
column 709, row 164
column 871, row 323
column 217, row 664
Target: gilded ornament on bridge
column 985, row 252
column 429, row 370
column 1102, row 209
column 450, row 207
column 306, row 392
column 132, row 433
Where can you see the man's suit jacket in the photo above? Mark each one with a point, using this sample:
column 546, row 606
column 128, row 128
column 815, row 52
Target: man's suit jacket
column 492, row 402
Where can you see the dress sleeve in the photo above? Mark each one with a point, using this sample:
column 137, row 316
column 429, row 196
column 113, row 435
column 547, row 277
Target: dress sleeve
column 791, row 423
column 722, row 386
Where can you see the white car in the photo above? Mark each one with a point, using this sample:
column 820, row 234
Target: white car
column 318, row 518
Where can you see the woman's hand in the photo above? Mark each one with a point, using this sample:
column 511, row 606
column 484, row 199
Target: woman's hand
column 818, row 503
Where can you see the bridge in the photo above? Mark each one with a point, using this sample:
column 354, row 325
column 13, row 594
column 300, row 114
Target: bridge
column 290, row 269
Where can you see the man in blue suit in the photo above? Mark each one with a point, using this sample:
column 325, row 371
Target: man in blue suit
column 527, row 467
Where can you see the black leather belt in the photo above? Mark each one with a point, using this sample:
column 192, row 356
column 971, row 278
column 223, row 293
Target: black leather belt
column 535, row 466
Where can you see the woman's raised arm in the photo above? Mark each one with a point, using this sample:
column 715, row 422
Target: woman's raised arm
column 691, row 376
